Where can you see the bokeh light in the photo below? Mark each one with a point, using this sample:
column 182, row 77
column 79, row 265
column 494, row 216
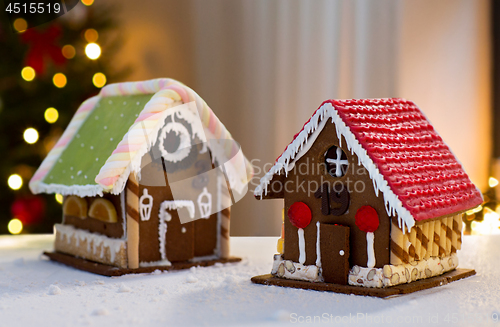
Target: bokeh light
column 91, row 35
column 15, row 181
column 68, row 51
column 30, row 135
column 99, row 80
column 15, row 226
column 28, row 73
column 20, row 25
column 59, row 198
column 88, row 2
column 51, row 115
column 59, row 80
column 93, row 51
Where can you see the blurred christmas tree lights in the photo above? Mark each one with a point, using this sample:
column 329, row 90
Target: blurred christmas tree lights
column 46, row 73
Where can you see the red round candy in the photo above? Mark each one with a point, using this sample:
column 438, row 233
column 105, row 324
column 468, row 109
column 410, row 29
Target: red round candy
column 299, row 214
column 367, row 219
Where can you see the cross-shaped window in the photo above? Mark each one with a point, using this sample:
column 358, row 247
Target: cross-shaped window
column 336, row 162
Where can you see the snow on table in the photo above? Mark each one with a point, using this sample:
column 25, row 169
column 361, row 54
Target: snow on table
column 37, row 292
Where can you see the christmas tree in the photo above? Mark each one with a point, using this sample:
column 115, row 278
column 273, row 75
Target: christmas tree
column 46, row 71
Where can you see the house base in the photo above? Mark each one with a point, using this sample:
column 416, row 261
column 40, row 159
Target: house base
column 111, row 271
column 401, row 289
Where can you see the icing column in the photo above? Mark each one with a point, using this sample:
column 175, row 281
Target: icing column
column 300, row 217
column 367, row 221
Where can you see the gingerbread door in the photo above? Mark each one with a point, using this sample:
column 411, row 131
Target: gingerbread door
column 334, row 249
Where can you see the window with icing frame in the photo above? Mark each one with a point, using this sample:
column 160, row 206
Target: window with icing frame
column 336, row 162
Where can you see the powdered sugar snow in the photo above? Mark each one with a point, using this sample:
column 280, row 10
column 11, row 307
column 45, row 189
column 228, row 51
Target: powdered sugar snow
column 224, row 295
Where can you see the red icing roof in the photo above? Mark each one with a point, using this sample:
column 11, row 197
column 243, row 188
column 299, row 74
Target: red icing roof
column 416, row 163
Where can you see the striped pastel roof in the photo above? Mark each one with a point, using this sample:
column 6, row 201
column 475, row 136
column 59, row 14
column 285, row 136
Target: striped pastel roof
column 110, row 133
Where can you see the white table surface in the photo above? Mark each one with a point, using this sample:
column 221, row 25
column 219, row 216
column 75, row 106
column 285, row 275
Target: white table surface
column 224, row 295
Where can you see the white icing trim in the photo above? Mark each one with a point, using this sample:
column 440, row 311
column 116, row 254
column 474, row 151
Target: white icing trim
column 370, row 251
column 79, row 190
column 302, row 246
column 306, row 137
column 204, row 207
column 165, row 217
column 179, row 204
column 318, row 247
column 145, row 209
column 338, row 162
column 185, row 141
column 97, row 240
column 155, row 263
column 204, row 258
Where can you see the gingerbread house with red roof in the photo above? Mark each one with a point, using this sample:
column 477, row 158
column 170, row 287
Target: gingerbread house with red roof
column 372, row 195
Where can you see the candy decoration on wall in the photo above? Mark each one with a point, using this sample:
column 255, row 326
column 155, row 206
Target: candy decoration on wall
column 205, row 203
column 300, row 216
column 367, row 220
column 145, row 207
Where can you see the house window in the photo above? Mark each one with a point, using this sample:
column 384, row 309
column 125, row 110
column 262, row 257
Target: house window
column 336, row 162
column 175, row 142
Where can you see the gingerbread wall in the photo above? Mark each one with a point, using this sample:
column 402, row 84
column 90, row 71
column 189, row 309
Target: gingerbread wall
column 183, row 241
column 311, row 179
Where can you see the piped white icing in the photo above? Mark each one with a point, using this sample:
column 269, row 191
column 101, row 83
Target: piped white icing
column 318, row 248
column 370, row 251
column 165, row 217
column 185, row 141
column 205, row 203
column 302, row 246
column 307, row 136
column 145, row 208
column 94, row 241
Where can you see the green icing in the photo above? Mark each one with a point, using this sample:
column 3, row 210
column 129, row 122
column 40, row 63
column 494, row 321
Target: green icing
column 96, row 139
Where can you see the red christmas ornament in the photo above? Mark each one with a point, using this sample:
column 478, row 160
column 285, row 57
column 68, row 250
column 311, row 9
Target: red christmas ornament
column 299, row 214
column 367, row 219
column 29, row 210
column 42, row 47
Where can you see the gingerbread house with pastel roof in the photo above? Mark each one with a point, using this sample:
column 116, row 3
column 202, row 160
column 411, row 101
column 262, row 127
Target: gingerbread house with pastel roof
column 372, row 195
column 148, row 174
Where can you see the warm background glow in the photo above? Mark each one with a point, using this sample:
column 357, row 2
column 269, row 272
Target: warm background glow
column 265, row 66
column 20, row 25
column 15, row 181
column 30, row 135
column 91, row 35
column 59, row 80
column 99, row 80
column 51, row 115
column 93, row 51
column 28, row 73
column 68, row 51
column 15, row 226
column 59, row 198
